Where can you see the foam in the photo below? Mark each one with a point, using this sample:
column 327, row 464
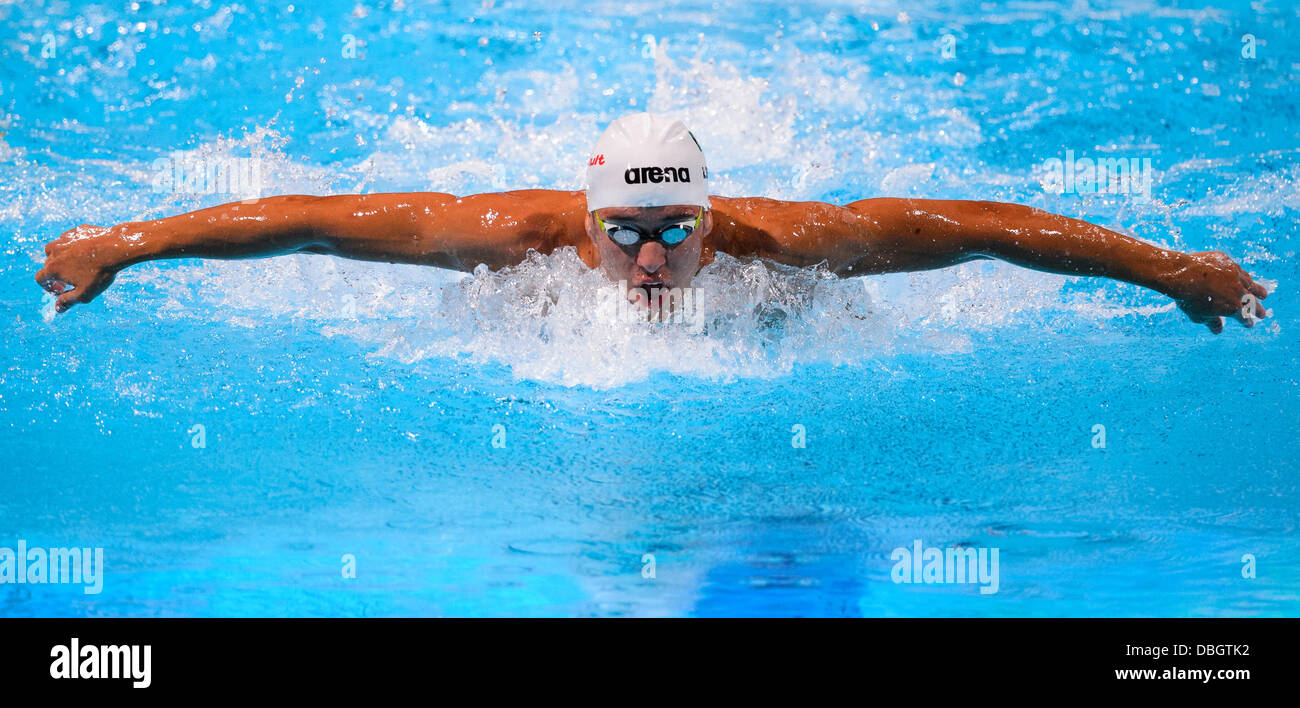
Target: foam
column 543, row 319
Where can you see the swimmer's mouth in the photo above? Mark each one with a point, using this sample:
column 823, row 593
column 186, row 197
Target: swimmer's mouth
column 651, row 290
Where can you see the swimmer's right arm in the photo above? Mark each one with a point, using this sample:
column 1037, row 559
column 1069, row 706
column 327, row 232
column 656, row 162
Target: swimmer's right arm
column 495, row 229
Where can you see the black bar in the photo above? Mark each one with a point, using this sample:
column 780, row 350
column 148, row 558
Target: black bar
column 318, row 654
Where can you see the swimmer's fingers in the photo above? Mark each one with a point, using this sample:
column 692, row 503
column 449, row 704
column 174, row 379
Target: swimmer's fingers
column 1201, row 316
column 1262, row 311
column 67, row 300
column 72, row 289
column 1251, row 311
column 50, row 281
column 1251, row 286
column 67, row 293
column 83, row 294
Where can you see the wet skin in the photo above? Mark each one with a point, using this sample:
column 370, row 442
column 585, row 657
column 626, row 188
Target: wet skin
column 498, row 229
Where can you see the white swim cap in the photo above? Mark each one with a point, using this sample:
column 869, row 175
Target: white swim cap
column 644, row 160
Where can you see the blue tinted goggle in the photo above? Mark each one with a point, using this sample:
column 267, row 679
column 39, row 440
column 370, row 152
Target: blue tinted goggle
column 670, row 235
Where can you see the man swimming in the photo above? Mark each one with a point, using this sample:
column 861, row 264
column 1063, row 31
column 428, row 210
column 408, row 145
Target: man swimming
column 646, row 218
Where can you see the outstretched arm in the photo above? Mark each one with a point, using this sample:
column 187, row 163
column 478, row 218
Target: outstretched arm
column 892, row 235
column 422, row 228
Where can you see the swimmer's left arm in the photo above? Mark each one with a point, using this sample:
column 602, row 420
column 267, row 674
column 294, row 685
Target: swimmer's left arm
column 893, row 235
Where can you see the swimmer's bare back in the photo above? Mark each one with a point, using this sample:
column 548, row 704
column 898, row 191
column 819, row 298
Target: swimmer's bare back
column 865, row 237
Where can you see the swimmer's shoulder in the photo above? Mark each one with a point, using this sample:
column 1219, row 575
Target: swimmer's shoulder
column 544, row 219
column 744, row 226
column 771, row 228
column 798, row 233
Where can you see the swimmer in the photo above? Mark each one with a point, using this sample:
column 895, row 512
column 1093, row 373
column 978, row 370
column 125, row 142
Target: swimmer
column 646, row 218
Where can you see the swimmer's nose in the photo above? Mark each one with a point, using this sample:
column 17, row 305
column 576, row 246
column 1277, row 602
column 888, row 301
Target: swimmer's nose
column 652, row 257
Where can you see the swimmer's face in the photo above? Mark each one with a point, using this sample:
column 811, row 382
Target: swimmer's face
column 650, row 263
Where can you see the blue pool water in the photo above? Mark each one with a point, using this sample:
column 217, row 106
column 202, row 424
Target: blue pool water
column 350, row 408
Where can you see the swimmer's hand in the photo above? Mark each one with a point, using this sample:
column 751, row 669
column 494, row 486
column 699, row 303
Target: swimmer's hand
column 1210, row 286
column 80, row 264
